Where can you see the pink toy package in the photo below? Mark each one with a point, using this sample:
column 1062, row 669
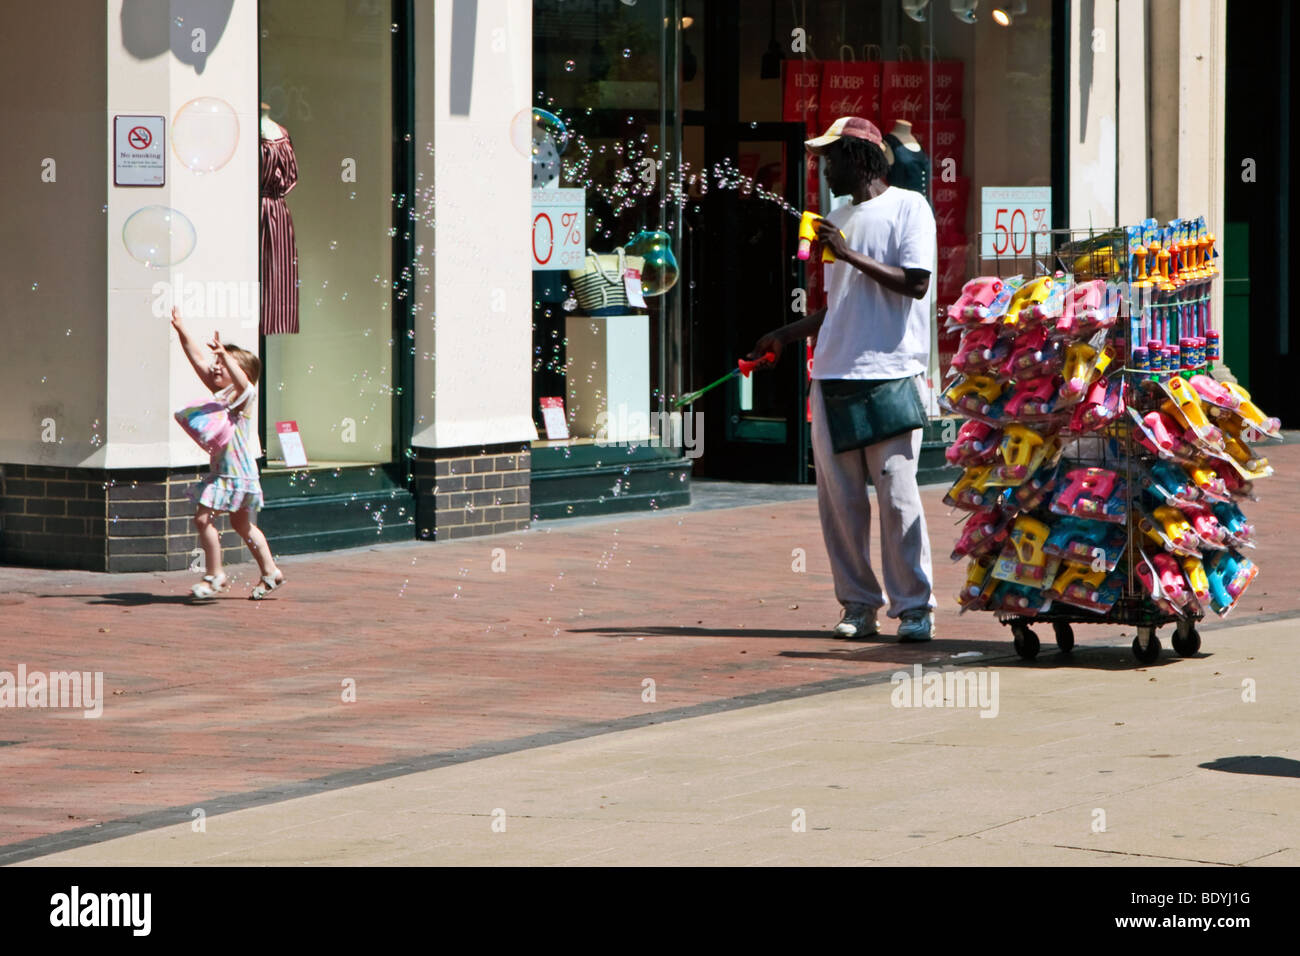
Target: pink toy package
column 1096, row 493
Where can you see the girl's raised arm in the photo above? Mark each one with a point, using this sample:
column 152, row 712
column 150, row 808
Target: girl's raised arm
column 193, row 352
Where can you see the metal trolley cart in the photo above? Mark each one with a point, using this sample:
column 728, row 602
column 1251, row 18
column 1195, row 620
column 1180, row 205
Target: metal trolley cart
column 1106, row 438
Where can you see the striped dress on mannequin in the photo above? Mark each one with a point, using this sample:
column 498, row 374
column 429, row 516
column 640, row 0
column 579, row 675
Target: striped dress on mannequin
column 279, row 252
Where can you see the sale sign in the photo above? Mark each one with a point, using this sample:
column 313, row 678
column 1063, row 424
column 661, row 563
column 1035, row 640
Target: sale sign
column 1010, row 216
column 801, row 82
column 850, row 89
column 559, row 227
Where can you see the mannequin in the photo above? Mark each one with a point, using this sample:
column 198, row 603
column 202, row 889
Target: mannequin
column 279, row 174
column 909, row 167
column 268, row 127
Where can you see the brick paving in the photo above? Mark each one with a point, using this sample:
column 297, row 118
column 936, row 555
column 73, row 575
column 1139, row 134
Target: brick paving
column 447, row 653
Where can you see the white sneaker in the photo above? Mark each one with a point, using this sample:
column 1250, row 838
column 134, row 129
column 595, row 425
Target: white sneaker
column 859, row 620
column 917, row 625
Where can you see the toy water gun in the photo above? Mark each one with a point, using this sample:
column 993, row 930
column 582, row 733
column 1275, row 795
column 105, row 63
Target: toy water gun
column 975, row 394
column 1205, row 524
column 1077, row 582
column 1019, row 445
column 1023, row 560
column 976, row 443
column 743, row 368
column 1172, row 483
column 980, row 584
column 1169, row 577
column 1233, row 521
column 1036, row 396
column 1091, row 493
column 1229, row 575
column 1250, row 411
column 808, row 235
column 978, row 350
column 1034, row 492
column 1079, row 360
column 979, row 297
column 1032, row 355
column 1100, row 407
column 1176, row 527
column 1032, row 293
column 1197, row 580
column 984, row 530
column 1208, row 482
column 970, row 490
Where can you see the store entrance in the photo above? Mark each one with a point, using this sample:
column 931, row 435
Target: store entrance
column 739, row 241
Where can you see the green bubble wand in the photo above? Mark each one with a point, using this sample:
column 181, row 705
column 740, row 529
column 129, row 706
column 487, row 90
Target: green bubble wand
column 743, row 367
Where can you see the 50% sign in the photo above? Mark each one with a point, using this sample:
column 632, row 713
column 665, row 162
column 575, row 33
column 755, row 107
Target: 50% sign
column 559, row 228
column 1012, row 218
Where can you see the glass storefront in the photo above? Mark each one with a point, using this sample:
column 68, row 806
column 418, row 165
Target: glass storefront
column 606, row 345
column 722, row 94
column 327, row 82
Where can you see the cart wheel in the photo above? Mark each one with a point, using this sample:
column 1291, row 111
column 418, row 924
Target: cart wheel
column 1025, row 641
column 1146, row 646
column 1064, row 636
column 1187, row 644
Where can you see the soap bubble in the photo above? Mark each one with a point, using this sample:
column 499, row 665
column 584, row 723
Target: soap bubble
column 568, row 66
column 659, row 273
column 159, row 236
column 205, row 133
column 626, row 53
column 542, row 136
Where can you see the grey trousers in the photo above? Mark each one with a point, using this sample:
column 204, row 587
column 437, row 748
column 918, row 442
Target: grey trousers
column 846, row 518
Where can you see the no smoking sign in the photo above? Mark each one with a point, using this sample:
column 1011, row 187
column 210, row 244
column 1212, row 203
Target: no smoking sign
column 138, row 155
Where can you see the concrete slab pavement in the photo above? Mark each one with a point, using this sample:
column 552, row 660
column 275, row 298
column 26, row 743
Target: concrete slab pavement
column 1155, row 766
column 238, row 704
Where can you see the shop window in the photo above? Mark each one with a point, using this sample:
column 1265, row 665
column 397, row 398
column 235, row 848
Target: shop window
column 326, row 82
column 604, row 141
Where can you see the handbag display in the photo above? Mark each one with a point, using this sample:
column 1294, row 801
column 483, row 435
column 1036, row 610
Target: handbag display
column 861, row 412
column 599, row 286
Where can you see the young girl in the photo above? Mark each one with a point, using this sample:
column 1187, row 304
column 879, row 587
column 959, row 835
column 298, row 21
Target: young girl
column 233, row 485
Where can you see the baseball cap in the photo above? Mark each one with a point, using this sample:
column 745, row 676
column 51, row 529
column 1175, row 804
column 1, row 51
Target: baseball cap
column 854, row 126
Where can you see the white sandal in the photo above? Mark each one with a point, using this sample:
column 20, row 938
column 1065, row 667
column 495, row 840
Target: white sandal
column 267, row 585
column 210, row 586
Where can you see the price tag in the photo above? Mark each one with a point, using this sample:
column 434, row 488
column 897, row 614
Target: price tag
column 553, row 418
column 559, row 229
column 295, row 456
column 632, row 283
column 1011, row 216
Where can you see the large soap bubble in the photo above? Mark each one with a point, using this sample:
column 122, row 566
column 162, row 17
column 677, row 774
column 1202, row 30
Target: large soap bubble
column 159, row 236
column 205, row 133
column 659, row 274
column 542, row 137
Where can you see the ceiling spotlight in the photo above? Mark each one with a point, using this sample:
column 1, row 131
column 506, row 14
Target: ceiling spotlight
column 1005, row 16
column 915, row 9
column 964, row 10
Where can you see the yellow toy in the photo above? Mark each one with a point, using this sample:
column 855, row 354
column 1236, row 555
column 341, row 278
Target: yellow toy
column 1176, row 527
column 1034, row 292
column 808, row 235
column 983, row 386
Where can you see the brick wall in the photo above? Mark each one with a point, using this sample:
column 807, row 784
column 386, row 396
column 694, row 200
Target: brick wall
column 482, row 489
column 99, row 520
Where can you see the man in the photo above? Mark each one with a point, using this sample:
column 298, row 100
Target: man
column 876, row 326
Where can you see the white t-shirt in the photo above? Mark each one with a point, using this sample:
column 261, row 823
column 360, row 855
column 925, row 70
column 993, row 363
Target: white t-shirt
column 869, row 331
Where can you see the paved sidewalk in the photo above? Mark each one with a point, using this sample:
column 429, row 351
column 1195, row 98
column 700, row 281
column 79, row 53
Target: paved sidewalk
column 1091, row 764
column 239, row 703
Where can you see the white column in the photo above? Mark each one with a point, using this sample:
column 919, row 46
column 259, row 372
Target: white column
column 474, row 304
column 148, row 376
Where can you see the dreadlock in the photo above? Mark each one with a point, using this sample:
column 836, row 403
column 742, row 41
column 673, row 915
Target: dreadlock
column 864, row 157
